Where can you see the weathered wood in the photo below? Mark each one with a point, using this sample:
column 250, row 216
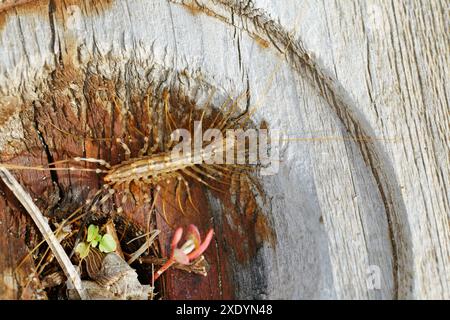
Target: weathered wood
column 360, row 94
column 18, row 278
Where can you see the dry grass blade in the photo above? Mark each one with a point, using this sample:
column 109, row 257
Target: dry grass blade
column 144, row 247
column 58, row 251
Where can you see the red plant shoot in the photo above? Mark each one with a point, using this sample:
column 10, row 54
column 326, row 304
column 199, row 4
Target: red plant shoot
column 189, row 251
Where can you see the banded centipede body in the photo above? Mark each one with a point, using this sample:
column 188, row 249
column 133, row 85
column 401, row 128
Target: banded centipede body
column 143, row 170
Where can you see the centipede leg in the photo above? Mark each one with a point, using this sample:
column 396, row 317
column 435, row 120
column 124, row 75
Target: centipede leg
column 169, row 121
column 93, row 201
column 199, row 179
column 190, row 118
column 223, row 123
column 155, row 140
column 206, row 104
column 107, row 196
column 213, row 170
column 227, row 100
column 144, row 148
column 198, row 128
column 125, row 148
column 163, row 203
column 178, row 195
column 188, row 191
column 233, row 183
column 206, row 174
column 126, row 192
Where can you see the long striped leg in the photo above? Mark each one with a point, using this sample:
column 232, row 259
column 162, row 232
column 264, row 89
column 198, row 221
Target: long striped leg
column 206, row 174
column 210, row 168
column 164, row 215
column 144, row 148
column 126, row 193
column 77, row 159
column 155, row 145
column 169, row 120
column 223, row 123
column 178, row 194
column 93, row 202
column 107, row 196
column 125, row 148
column 188, row 191
column 195, row 176
column 220, row 112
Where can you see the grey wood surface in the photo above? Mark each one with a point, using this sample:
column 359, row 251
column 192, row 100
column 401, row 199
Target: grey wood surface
column 358, row 89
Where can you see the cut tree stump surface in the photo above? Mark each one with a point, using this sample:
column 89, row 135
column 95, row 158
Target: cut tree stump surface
column 357, row 89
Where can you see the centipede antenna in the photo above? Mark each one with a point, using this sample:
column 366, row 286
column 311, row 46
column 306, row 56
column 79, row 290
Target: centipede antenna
column 41, row 168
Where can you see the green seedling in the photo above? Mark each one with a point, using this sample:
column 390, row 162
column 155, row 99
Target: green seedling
column 105, row 242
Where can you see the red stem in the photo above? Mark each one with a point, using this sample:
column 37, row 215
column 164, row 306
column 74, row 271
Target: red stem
column 166, row 266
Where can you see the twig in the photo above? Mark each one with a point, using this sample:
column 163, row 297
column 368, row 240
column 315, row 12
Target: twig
column 144, row 247
column 72, row 275
column 199, row 266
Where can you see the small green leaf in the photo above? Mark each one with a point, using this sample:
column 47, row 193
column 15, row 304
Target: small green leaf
column 83, row 249
column 96, row 240
column 107, row 244
column 92, row 233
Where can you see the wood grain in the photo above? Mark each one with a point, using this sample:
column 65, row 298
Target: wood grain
column 358, row 88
